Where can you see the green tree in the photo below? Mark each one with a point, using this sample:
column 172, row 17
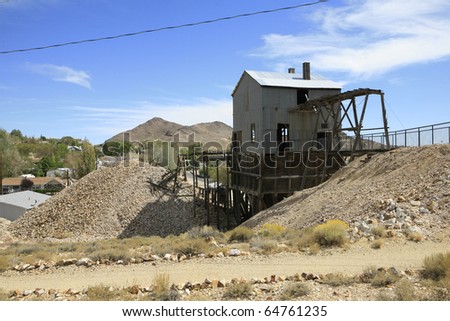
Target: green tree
column 87, row 159
column 17, row 133
column 12, row 162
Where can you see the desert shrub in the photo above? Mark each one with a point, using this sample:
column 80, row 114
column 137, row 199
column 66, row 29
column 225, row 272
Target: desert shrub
column 300, row 239
column 204, row 232
column 330, row 233
column 383, row 278
column 23, row 250
column 240, row 234
column 295, row 290
column 4, row 263
column 377, row 244
column 161, row 283
column 378, row 230
column 36, row 256
column 415, row 236
column 241, row 290
column 440, row 290
column 272, row 230
column 111, row 254
column 190, row 246
column 3, row 295
column 314, row 249
column 379, row 277
column 67, row 247
column 437, row 266
column 161, row 288
column 102, row 293
column 265, row 246
column 162, row 246
column 339, row 279
column 405, row 291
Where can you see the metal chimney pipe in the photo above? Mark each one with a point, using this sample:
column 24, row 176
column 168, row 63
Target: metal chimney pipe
column 306, row 71
column 291, row 70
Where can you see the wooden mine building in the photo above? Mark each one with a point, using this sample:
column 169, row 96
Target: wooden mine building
column 291, row 131
column 288, row 134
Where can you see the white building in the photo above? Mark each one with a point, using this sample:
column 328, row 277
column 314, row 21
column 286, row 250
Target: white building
column 14, row 205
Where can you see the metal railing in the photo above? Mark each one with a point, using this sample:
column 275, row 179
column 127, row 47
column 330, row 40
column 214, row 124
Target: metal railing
column 418, row 136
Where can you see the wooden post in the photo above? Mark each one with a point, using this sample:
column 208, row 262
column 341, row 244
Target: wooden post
column 194, row 178
column 385, row 122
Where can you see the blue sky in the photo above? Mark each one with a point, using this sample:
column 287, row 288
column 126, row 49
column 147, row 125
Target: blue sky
column 96, row 90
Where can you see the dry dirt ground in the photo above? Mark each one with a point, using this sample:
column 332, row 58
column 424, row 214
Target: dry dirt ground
column 402, row 255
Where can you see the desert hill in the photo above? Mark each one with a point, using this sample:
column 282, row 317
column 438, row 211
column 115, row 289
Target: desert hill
column 160, row 129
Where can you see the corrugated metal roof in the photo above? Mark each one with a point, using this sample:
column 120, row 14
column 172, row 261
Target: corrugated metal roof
column 25, row 199
column 295, row 80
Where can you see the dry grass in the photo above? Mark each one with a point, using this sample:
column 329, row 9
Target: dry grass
column 379, row 230
column 405, row 291
column 384, row 278
column 380, row 277
column 241, row 290
column 4, row 263
column 3, row 295
column 415, row 236
column 339, row 279
column 331, row 233
column 191, row 246
column 103, row 292
column 240, row 234
column 272, row 230
column 314, row 249
column 377, row 244
column 295, row 290
column 161, row 289
column 206, row 231
column 437, row 267
column 265, row 245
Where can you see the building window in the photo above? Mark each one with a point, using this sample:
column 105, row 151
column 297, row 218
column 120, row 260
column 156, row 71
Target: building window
column 302, row 96
column 283, row 137
column 252, row 133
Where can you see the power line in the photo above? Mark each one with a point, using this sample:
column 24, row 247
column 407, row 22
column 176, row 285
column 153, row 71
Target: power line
column 192, row 24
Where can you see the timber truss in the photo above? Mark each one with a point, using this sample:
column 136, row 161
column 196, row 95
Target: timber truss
column 343, row 107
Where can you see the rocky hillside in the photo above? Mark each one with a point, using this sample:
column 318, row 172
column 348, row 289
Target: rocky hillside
column 406, row 190
column 160, row 129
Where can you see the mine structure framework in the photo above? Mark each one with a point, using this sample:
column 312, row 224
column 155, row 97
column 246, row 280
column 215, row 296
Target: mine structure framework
column 255, row 181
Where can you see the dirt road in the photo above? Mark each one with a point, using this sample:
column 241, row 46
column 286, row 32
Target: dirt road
column 351, row 261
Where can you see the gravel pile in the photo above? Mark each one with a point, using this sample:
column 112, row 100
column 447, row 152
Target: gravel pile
column 407, row 189
column 112, row 202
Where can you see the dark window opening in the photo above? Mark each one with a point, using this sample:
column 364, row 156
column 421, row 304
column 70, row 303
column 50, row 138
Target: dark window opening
column 302, row 96
column 252, row 133
column 283, row 137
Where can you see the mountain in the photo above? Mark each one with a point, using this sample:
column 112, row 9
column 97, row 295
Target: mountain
column 161, row 129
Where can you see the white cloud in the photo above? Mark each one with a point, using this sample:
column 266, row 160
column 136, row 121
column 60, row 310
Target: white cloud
column 62, row 73
column 108, row 121
column 367, row 38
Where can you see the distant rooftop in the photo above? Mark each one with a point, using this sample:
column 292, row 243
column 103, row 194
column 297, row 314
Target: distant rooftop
column 26, row 199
